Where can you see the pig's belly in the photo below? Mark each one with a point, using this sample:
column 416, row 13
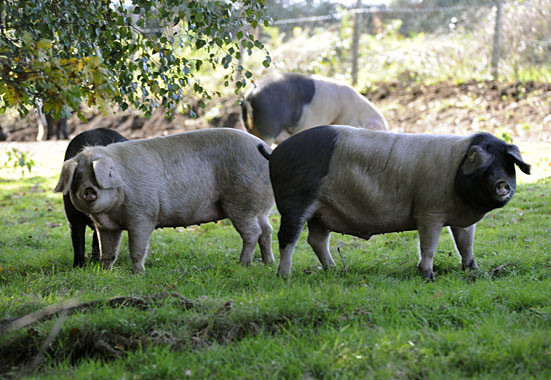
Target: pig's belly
column 183, row 218
column 364, row 225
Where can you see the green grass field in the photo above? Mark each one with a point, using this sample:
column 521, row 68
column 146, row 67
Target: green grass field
column 373, row 317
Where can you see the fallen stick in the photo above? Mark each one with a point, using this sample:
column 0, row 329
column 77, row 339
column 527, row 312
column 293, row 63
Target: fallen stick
column 37, row 359
column 38, row 315
column 72, row 304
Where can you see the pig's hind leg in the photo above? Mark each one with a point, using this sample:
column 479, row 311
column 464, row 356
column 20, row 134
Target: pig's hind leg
column 318, row 238
column 250, row 231
column 295, row 212
column 265, row 240
column 289, row 232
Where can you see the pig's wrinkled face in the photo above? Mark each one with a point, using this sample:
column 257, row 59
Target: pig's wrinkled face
column 92, row 183
column 86, row 194
column 486, row 177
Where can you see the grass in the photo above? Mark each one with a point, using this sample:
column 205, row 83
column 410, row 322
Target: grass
column 372, row 317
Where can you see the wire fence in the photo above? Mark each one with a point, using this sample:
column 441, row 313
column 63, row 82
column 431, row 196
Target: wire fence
column 481, row 39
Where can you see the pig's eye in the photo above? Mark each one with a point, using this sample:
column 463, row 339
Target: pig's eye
column 77, row 176
column 509, row 166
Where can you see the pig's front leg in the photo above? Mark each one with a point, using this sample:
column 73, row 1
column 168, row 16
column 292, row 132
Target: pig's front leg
column 78, row 229
column 138, row 241
column 95, row 255
column 429, row 234
column 109, row 242
column 464, row 239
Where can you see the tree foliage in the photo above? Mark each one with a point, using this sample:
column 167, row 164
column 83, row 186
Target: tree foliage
column 139, row 53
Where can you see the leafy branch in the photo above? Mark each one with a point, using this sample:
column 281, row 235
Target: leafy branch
column 106, row 52
column 19, row 160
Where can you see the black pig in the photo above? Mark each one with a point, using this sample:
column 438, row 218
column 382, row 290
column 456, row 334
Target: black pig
column 76, row 219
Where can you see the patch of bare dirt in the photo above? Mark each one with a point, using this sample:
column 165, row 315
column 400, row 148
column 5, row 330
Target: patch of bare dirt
column 132, row 124
column 520, row 110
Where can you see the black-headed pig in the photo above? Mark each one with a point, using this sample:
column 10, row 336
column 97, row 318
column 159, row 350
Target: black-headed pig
column 179, row 180
column 282, row 105
column 76, row 219
column 363, row 183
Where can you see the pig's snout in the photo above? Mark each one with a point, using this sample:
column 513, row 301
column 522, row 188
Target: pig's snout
column 89, row 194
column 502, row 189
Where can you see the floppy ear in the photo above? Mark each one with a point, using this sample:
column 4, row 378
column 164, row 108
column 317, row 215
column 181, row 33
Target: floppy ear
column 66, row 177
column 477, row 158
column 106, row 174
column 375, row 125
column 514, row 153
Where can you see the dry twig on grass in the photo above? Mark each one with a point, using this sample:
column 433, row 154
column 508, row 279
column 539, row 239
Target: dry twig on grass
column 69, row 306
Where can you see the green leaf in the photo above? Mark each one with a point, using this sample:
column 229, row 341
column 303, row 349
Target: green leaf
column 200, row 43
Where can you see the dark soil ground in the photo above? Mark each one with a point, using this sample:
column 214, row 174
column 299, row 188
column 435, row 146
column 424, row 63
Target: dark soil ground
column 519, row 110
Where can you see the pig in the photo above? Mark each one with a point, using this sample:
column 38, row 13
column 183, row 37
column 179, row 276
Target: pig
column 77, row 220
column 362, row 183
column 178, row 180
column 282, row 105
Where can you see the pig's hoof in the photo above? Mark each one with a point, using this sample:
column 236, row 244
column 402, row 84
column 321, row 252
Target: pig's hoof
column 470, row 265
column 138, row 269
column 268, row 261
column 94, row 256
column 245, row 263
column 107, row 264
column 329, row 267
column 428, row 274
column 283, row 274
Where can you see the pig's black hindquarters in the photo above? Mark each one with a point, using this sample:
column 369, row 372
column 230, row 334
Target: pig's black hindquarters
column 278, row 104
column 297, row 168
column 76, row 219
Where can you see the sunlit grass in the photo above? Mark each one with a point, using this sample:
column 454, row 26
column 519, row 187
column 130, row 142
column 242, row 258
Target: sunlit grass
column 372, row 317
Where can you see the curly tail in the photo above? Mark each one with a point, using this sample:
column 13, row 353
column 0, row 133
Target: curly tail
column 263, row 151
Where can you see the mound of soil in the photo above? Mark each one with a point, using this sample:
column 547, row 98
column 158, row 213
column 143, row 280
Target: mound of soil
column 519, row 110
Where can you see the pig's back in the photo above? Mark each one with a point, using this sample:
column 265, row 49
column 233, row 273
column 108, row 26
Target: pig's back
column 381, row 182
column 187, row 178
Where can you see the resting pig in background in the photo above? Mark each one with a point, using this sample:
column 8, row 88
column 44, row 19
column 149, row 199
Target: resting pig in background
column 76, row 219
column 363, row 183
column 282, row 105
column 179, row 180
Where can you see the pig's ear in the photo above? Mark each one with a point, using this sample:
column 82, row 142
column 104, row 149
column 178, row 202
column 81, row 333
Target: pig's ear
column 476, row 159
column 375, row 125
column 514, row 154
column 66, row 177
column 106, row 174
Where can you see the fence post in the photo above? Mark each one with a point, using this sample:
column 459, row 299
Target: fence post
column 356, row 43
column 496, row 48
